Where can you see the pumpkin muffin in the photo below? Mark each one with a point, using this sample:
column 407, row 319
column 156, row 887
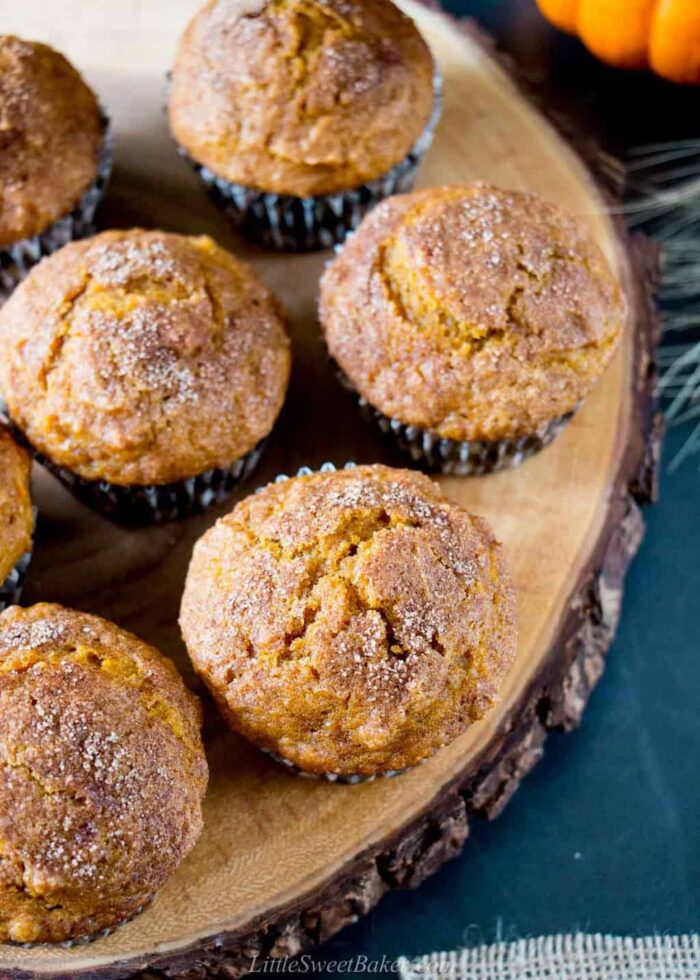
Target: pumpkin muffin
column 145, row 369
column 302, row 114
column 350, row 623
column 16, row 518
column 472, row 322
column 102, row 774
column 55, row 156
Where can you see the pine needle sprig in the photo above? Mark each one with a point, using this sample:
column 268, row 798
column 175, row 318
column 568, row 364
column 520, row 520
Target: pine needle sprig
column 664, row 201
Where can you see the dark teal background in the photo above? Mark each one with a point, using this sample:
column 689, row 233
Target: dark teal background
column 604, row 835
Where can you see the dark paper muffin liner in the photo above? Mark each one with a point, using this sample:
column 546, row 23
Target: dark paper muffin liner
column 18, row 259
column 86, row 940
column 332, row 777
column 143, row 506
column 308, row 224
column 327, row 777
column 11, row 588
column 158, row 503
column 475, row 457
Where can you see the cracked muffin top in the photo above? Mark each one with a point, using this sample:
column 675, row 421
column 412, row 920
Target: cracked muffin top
column 300, row 97
column 51, row 137
column 141, row 357
column 102, row 774
column 472, row 312
column 351, row 622
column 16, row 516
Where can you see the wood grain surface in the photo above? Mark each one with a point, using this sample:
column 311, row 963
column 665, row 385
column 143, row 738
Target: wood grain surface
column 284, row 861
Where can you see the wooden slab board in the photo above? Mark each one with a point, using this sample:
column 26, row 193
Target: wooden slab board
column 284, row 862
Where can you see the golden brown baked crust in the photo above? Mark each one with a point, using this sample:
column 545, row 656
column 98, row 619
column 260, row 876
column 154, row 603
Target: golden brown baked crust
column 142, row 357
column 352, row 622
column 16, row 517
column 300, row 97
column 51, row 136
column 102, row 774
column 472, row 312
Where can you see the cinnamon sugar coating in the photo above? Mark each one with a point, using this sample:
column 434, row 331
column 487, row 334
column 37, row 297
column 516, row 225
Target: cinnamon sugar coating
column 51, row 136
column 16, row 517
column 102, row 774
column 351, row 622
column 142, row 357
column 300, row 97
column 472, row 312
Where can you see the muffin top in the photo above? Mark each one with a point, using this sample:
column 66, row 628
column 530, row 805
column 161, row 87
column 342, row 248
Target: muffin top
column 141, row 357
column 51, row 137
column 352, row 622
column 300, row 97
column 472, row 312
column 102, row 773
column 16, row 517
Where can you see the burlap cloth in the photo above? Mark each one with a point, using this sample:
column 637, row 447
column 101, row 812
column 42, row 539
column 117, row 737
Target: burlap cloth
column 574, row 957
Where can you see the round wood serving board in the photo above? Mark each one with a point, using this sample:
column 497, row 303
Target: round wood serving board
column 284, row 861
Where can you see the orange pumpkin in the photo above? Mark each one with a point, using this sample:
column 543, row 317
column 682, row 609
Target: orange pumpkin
column 661, row 34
